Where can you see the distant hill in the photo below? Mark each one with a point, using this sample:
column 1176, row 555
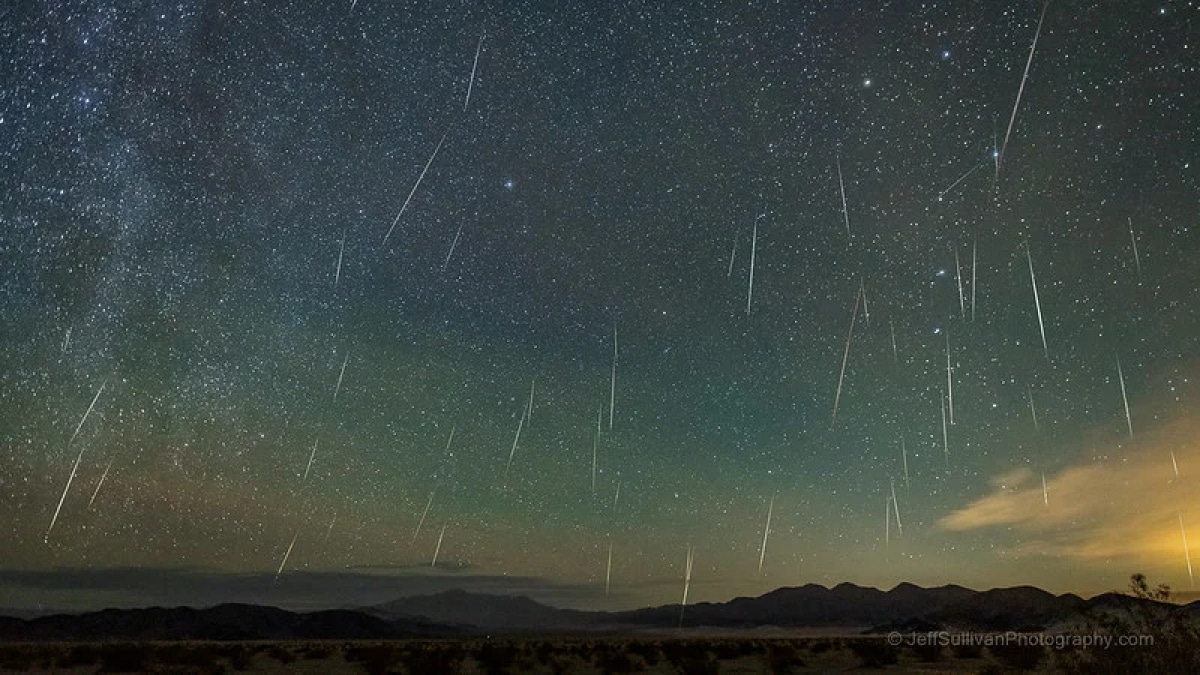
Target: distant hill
column 223, row 622
column 459, row 613
column 486, row 612
column 905, row 607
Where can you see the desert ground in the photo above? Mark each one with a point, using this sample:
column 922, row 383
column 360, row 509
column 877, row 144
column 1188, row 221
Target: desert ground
column 584, row 655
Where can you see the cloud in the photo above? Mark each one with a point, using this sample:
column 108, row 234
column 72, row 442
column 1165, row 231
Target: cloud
column 1125, row 506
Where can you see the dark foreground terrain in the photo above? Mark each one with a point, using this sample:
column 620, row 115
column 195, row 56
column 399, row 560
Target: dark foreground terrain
column 647, row 654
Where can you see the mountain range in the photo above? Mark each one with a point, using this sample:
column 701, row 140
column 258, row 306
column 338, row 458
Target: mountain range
column 459, row 614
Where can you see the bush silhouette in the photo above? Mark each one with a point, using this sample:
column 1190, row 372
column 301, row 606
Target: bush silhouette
column 1173, row 639
column 927, row 652
column 497, row 659
column 123, row 658
column 967, row 651
column 1018, row 657
column 783, row 657
column 874, row 653
column 238, row 656
column 431, row 659
column 80, row 655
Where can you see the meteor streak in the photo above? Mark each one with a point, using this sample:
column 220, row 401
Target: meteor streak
column 286, row 555
column 687, row 583
column 1124, row 398
column 1037, row 303
column 753, row 251
column 1021, row 89
column 766, row 531
column 105, row 475
column 845, row 355
column 414, row 189
column 842, row 186
column 474, row 66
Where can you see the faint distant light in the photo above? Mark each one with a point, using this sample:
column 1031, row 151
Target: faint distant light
column 867, row 82
column 946, row 54
column 509, row 184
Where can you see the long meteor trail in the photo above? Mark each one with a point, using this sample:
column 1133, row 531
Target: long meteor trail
column 962, row 308
column 286, row 555
column 474, row 67
column 516, row 439
column 1037, row 302
column 75, row 468
column 422, row 520
column 687, row 583
column 845, row 355
column 608, row 571
column 949, row 378
column 452, row 245
column 414, row 189
column 973, row 268
column 89, row 412
column 312, row 455
column 438, row 549
column 1021, row 89
column 842, row 186
column 960, row 179
column 1124, row 398
column 753, row 251
column 110, row 463
column 341, row 374
column 762, row 554
column 337, row 275
column 63, row 498
column 612, row 392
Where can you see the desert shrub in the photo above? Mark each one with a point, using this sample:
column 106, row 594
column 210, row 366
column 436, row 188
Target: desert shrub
column 432, row 659
column 874, row 653
column 1018, row 657
column 821, row 646
column 496, row 659
column 733, row 649
column 615, row 659
column 699, row 664
column 316, row 652
column 16, row 658
column 376, row 659
column 123, row 658
column 238, row 656
column 648, row 651
column 281, row 654
column 966, row 651
column 80, row 655
column 927, row 652
column 544, row 651
column 200, row 657
column 782, row 657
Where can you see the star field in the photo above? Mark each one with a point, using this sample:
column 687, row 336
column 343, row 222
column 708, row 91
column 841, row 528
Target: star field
column 194, row 202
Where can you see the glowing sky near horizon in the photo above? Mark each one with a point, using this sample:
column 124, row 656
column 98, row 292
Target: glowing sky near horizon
column 178, row 179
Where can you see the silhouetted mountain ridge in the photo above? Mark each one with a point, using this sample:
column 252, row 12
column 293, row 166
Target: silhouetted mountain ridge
column 460, row 613
column 222, row 622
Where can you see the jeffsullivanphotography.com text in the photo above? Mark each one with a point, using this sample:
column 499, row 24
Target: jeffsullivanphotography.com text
column 944, row 638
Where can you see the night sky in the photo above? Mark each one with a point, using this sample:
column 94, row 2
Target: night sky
column 194, row 200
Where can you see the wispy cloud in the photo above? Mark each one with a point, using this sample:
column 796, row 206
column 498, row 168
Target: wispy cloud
column 1121, row 506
